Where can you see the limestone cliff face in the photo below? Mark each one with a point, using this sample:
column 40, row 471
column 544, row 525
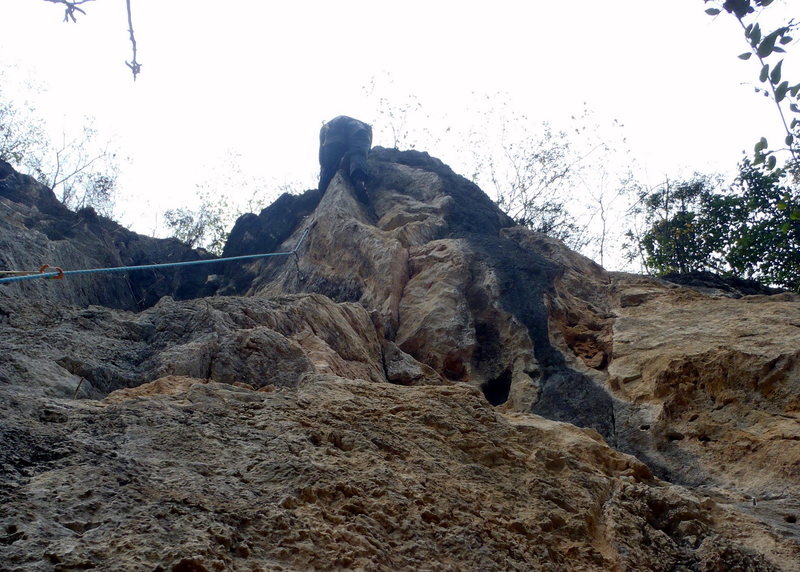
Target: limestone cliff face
column 426, row 387
column 36, row 229
column 448, row 279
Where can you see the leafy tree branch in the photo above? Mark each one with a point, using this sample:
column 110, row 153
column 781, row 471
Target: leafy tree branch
column 749, row 229
column 764, row 45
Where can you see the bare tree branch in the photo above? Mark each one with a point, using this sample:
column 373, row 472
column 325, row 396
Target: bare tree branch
column 135, row 66
column 70, row 8
column 73, row 6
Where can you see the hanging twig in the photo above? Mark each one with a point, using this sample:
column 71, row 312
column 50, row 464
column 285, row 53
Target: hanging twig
column 135, row 66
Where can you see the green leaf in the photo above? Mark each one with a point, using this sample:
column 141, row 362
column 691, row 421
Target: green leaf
column 761, row 145
column 795, row 215
column 785, row 40
column 755, row 35
column 789, row 139
column 781, row 206
column 794, row 90
column 771, row 162
column 775, row 76
column 745, row 56
column 764, row 73
column 764, row 3
column 767, row 44
column 712, row 11
column 780, row 91
column 794, row 107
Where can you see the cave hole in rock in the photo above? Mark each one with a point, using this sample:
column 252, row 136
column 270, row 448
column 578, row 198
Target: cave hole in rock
column 12, row 535
column 674, row 436
column 790, row 518
column 496, row 390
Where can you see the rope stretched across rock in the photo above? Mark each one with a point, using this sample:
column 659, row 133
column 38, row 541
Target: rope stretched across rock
column 47, row 271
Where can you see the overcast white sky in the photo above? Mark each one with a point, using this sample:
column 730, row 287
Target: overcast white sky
column 258, row 78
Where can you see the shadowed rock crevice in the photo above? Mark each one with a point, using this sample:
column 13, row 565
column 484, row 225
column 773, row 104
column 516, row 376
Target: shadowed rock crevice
column 728, row 285
column 100, row 378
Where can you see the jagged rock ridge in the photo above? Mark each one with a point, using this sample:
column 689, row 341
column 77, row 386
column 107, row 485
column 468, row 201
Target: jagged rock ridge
column 38, row 229
column 257, row 429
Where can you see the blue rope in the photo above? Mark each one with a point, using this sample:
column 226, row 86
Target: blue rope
column 153, row 266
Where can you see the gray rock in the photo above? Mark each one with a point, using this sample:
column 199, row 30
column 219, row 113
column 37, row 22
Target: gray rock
column 36, row 229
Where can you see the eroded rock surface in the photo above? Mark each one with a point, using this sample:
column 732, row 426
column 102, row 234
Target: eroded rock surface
column 55, row 350
column 713, row 392
column 448, row 278
column 345, row 474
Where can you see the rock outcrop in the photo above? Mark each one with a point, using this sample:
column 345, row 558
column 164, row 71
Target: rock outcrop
column 425, row 386
column 711, row 387
column 37, row 229
column 450, row 280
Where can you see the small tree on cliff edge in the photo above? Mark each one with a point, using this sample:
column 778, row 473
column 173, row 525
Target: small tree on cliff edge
column 750, row 229
column 676, row 239
column 80, row 170
column 757, row 222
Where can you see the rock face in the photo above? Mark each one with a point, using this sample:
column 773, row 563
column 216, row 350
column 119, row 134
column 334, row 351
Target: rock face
column 36, row 229
column 714, row 400
column 425, row 386
column 458, row 290
column 90, row 352
column 343, row 474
